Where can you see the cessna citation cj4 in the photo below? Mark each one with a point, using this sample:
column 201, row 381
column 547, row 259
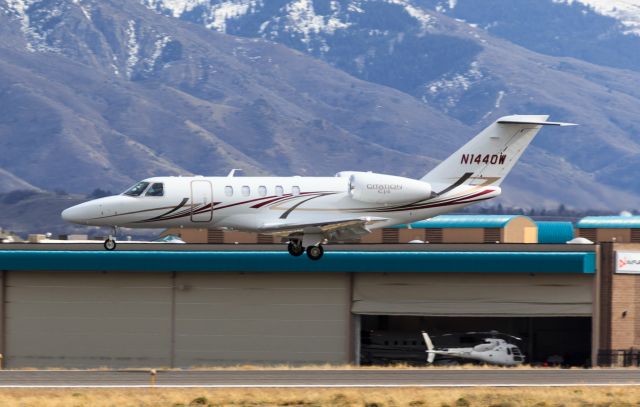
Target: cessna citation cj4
column 308, row 212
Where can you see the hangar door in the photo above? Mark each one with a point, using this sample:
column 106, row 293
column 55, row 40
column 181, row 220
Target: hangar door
column 472, row 294
column 94, row 319
column 232, row 318
column 87, row 319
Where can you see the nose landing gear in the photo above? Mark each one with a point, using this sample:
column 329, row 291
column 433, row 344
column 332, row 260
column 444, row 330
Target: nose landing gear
column 110, row 242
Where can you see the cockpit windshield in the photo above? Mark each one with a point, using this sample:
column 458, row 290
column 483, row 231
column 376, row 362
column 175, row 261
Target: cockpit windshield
column 156, row 189
column 137, row 189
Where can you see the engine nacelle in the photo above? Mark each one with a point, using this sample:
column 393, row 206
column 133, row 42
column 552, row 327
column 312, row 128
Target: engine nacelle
column 386, row 189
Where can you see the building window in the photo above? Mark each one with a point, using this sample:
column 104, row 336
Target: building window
column 262, row 190
column 295, row 190
column 246, row 191
column 228, row 190
column 279, row 190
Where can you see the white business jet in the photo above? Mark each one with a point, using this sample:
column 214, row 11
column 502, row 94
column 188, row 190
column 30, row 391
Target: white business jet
column 310, row 211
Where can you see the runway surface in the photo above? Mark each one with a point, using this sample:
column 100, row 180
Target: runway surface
column 321, row 378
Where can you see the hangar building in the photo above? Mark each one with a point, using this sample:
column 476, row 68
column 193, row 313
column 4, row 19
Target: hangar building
column 75, row 305
column 134, row 308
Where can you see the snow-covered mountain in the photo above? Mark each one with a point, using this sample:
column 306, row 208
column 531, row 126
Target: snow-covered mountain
column 625, row 11
column 99, row 94
column 113, row 90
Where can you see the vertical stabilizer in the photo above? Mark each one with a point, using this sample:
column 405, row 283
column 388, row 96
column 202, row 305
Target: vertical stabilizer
column 489, row 156
column 430, row 354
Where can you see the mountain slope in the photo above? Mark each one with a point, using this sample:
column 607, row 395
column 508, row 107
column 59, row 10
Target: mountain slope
column 459, row 68
column 602, row 32
column 102, row 93
column 121, row 93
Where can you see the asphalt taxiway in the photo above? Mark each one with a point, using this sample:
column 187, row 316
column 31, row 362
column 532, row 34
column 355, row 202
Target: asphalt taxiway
column 320, row 378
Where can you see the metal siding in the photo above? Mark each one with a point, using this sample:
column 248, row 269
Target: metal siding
column 555, row 232
column 88, row 319
column 467, row 221
column 230, row 318
column 441, row 294
column 609, row 222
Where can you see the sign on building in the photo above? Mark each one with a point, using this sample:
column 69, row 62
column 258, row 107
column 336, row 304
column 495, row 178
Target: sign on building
column 628, row 262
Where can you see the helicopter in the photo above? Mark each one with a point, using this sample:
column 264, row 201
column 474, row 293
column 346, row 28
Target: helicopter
column 492, row 350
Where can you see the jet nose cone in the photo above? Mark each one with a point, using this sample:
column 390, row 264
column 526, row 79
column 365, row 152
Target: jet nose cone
column 70, row 214
column 76, row 214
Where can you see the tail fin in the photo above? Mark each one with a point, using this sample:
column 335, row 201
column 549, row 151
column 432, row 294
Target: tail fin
column 430, row 355
column 489, row 156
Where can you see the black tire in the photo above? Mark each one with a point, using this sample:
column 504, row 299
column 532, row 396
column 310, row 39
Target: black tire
column 110, row 244
column 295, row 249
column 315, row 252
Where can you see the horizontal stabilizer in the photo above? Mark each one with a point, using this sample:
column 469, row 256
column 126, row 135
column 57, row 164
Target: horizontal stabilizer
column 523, row 120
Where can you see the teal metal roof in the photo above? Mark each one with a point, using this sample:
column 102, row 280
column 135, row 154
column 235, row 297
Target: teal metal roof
column 609, row 222
column 280, row 261
column 554, row 232
column 466, row 221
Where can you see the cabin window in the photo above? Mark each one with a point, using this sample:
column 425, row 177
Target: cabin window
column 279, row 190
column 508, row 351
column 156, row 189
column 295, row 190
column 137, row 189
column 246, row 191
column 228, row 190
column 262, row 190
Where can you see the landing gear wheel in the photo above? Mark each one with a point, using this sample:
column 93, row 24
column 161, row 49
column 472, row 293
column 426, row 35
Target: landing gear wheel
column 295, row 248
column 110, row 244
column 315, row 252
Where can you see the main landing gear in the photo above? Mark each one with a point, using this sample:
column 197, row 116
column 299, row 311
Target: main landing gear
column 296, row 249
column 315, row 252
column 110, row 242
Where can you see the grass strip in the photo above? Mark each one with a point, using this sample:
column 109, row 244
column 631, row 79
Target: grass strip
column 412, row 397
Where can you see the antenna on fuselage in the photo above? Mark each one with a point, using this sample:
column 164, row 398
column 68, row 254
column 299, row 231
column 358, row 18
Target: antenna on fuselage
column 233, row 172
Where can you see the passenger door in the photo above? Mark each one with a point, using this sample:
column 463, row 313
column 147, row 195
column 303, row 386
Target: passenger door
column 201, row 201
